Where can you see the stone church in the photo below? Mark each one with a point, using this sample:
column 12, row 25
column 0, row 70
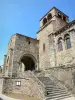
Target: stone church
column 43, row 67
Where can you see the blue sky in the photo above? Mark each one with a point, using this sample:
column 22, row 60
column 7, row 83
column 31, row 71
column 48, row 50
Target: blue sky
column 22, row 16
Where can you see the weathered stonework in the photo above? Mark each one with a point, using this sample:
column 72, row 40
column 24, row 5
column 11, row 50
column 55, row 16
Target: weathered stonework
column 42, row 57
column 20, row 47
column 1, row 84
column 30, row 85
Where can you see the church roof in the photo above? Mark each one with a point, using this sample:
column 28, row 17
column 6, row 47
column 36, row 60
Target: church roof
column 65, row 27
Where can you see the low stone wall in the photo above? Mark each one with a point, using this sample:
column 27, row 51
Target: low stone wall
column 24, row 85
column 1, row 84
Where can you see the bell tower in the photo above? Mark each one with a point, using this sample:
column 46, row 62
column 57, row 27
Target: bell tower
column 54, row 15
column 49, row 23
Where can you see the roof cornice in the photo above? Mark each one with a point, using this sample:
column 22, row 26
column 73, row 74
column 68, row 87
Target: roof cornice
column 65, row 27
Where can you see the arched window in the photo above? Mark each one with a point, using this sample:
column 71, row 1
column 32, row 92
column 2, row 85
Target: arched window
column 59, row 15
column 67, row 41
column 60, row 48
column 44, row 21
column 49, row 16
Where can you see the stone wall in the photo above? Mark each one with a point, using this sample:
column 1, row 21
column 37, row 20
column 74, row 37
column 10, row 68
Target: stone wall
column 8, row 58
column 1, row 84
column 52, row 51
column 66, row 56
column 29, row 85
column 44, row 57
column 1, row 71
column 24, row 46
column 18, row 47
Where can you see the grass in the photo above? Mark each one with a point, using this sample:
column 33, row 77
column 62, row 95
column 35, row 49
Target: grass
column 22, row 97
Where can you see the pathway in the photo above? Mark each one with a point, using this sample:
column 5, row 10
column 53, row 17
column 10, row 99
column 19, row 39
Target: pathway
column 3, row 97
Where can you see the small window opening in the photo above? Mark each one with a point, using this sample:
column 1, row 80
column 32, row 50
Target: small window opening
column 44, row 21
column 60, row 48
column 43, row 47
column 49, row 16
column 18, row 83
column 67, row 41
column 28, row 42
column 64, row 18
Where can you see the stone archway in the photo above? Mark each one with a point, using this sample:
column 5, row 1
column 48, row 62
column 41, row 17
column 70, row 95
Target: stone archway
column 27, row 62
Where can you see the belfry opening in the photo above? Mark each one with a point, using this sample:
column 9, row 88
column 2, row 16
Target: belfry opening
column 27, row 63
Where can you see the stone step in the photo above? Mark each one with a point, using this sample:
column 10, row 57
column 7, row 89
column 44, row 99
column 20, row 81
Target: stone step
column 58, row 98
column 47, row 78
column 47, row 92
column 52, row 88
column 53, row 91
column 48, row 83
column 56, row 94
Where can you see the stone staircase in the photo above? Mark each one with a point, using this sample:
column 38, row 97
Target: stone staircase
column 52, row 90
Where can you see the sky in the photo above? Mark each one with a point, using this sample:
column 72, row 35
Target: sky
column 22, row 16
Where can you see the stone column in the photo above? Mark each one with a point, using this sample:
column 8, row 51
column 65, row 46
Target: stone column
column 37, row 66
column 23, row 67
column 4, row 66
column 10, row 62
column 52, row 51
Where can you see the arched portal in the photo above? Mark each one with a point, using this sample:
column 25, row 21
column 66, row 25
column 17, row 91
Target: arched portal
column 27, row 63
